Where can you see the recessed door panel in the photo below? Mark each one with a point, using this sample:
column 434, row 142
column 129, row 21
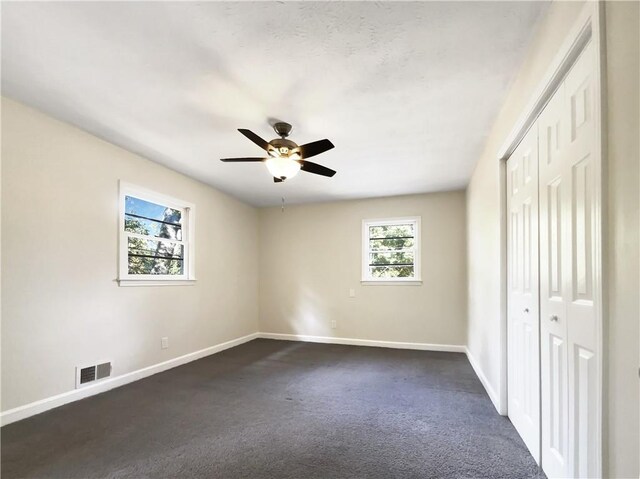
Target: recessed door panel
column 553, row 238
column 581, row 223
column 557, row 396
column 584, row 436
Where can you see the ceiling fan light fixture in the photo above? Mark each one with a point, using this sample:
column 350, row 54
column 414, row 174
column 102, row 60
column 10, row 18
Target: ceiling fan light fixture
column 283, row 167
column 287, row 158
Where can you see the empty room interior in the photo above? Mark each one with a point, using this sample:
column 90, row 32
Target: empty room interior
column 320, row 239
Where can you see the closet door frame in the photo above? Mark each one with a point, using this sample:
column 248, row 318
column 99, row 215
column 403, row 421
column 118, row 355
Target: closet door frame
column 589, row 28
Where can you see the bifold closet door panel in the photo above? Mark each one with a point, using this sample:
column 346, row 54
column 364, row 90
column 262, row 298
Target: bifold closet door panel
column 554, row 198
column 523, row 315
column 580, row 170
column 569, row 276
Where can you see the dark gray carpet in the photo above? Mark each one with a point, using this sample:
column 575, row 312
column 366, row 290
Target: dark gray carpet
column 275, row 409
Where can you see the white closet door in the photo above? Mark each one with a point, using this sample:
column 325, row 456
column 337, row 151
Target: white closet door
column 568, row 229
column 554, row 198
column 523, row 316
column 583, row 352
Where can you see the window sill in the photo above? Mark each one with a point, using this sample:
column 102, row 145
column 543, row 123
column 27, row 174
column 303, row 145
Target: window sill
column 156, row 282
column 412, row 282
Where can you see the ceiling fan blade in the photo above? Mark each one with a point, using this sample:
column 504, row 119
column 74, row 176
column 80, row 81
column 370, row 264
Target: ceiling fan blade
column 315, row 148
column 277, row 180
column 238, row 160
column 315, row 168
column 255, row 138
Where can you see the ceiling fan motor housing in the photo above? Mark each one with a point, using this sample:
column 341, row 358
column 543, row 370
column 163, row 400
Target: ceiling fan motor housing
column 282, row 128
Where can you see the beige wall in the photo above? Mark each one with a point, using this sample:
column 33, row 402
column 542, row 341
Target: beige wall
column 484, row 222
column 59, row 263
column 485, row 333
column 623, row 278
column 311, row 257
column 61, row 305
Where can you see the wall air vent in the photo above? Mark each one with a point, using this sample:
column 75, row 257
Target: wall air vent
column 88, row 374
column 103, row 370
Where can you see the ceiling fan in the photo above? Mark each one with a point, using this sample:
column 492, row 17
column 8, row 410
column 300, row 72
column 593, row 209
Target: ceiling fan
column 286, row 158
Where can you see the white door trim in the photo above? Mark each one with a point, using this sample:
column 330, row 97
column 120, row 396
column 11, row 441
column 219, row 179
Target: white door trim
column 588, row 27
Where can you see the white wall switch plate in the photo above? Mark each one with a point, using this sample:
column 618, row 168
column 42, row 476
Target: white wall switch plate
column 352, row 293
column 334, row 324
column 164, row 343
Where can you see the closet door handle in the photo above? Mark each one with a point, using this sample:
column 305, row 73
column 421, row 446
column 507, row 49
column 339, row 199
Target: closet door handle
column 553, row 318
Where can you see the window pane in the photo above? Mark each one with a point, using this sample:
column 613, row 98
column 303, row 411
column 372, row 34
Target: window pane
column 391, row 250
column 144, row 217
column 152, row 228
column 155, row 257
column 391, row 271
column 390, row 244
column 397, row 257
column 391, row 231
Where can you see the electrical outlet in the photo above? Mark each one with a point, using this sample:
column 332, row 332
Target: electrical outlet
column 334, row 324
column 164, row 343
column 352, row 293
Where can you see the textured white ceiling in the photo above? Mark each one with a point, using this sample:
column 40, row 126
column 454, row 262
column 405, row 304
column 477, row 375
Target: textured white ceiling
column 407, row 92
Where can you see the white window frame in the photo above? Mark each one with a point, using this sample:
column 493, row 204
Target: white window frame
column 188, row 235
column 367, row 279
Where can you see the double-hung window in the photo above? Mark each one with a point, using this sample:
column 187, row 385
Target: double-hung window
column 156, row 238
column 391, row 250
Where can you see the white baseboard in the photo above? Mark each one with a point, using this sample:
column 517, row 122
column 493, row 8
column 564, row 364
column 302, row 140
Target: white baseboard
column 455, row 348
column 31, row 409
column 485, row 382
